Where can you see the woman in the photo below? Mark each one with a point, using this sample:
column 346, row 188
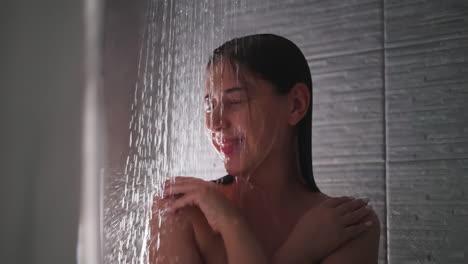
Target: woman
column 268, row 209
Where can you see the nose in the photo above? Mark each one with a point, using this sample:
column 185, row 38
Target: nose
column 216, row 120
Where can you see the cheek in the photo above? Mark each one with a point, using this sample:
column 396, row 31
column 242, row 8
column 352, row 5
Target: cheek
column 239, row 121
column 266, row 128
column 259, row 121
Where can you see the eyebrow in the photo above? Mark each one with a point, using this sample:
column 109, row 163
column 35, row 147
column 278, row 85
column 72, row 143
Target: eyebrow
column 230, row 90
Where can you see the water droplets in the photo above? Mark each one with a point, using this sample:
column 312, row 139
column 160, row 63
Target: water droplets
column 166, row 135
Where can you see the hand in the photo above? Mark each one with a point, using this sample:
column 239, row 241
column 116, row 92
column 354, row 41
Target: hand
column 324, row 228
column 218, row 211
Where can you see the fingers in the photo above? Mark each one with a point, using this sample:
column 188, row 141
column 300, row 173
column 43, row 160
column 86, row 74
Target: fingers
column 184, row 189
column 181, row 185
column 179, row 189
column 351, row 206
column 354, row 230
column 355, row 216
column 186, row 200
column 334, row 202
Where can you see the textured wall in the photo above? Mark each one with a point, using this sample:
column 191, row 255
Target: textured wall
column 426, row 84
column 390, row 103
column 390, row 112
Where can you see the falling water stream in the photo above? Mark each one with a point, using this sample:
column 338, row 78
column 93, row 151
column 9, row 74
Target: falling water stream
column 367, row 58
column 166, row 127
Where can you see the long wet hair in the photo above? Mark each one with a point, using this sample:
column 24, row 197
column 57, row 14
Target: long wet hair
column 280, row 61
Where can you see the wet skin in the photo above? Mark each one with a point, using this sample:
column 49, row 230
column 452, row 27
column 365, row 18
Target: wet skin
column 253, row 130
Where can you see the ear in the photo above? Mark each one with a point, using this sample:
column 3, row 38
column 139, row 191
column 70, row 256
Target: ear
column 299, row 100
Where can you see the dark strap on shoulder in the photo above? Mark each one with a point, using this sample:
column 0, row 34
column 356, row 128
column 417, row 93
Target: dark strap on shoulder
column 226, row 180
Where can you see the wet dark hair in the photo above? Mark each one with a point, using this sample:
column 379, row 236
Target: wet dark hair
column 279, row 61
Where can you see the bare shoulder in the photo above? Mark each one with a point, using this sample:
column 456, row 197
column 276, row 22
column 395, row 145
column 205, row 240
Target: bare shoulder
column 366, row 243
column 314, row 199
column 172, row 235
column 183, row 236
column 373, row 217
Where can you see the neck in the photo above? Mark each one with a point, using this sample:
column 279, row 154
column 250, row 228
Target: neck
column 275, row 183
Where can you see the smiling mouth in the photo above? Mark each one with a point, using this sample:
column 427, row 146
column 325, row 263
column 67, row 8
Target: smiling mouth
column 227, row 149
column 227, row 145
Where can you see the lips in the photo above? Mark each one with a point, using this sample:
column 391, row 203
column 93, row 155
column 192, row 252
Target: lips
column 227, row 145
column 227, row 149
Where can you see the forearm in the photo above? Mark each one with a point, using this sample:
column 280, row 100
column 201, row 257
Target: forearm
column 295, row 254
column 241, row 245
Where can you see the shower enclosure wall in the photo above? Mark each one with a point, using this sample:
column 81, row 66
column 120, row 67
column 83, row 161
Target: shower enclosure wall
column 390, row 116
column 389, row 120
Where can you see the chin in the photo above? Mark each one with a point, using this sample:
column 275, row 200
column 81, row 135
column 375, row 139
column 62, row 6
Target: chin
column 235, row 167
column 232, row 169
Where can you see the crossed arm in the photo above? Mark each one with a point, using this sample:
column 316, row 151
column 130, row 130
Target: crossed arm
column 172, row 238
column 174, row 241
column 177, row 243
column 330, row 233
column 363, row 249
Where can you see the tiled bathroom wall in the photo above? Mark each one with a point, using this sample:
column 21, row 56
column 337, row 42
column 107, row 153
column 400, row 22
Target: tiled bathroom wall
column 390, row 95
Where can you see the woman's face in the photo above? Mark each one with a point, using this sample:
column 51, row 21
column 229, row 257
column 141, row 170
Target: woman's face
column 245, row 118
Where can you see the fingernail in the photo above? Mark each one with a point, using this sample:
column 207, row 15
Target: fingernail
column 368, row 223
